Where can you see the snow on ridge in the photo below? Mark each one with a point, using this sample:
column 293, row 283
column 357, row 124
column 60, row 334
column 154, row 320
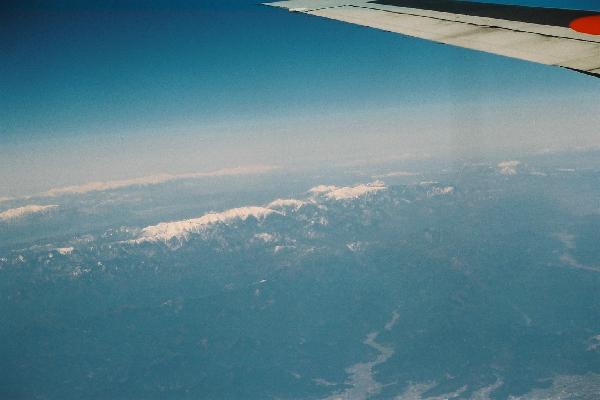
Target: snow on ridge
column 182, row 229
column 165, row 231
column 64, row 250
column 348, row 192
column 322, row 189
column 508, row 167
column 440, row 191
column 286, row 203
column 20, row 212
column 265, row 237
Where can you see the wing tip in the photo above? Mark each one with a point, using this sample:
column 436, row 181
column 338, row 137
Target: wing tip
column 280, row 4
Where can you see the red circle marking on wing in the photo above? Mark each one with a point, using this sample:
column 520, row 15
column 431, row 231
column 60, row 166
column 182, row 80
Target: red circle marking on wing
column 589, row 25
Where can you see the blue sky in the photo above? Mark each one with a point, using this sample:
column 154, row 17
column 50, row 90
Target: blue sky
column 90, row 91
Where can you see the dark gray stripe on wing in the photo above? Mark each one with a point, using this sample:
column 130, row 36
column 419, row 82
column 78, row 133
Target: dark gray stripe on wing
column 534, row 15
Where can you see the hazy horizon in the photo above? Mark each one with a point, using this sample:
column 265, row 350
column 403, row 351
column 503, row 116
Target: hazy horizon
column 94, row 93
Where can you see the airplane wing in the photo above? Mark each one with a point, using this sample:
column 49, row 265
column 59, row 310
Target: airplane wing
column 551, row 36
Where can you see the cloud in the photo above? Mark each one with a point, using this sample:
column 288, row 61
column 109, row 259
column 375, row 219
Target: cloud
column 347, row 192
column 573, row 263
column 396, row 174
column 416, row 391
column 566, row 169
column 166, row 231
column 508, row 167
column 154, row 180
column 566, row 386
column 20, row 212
